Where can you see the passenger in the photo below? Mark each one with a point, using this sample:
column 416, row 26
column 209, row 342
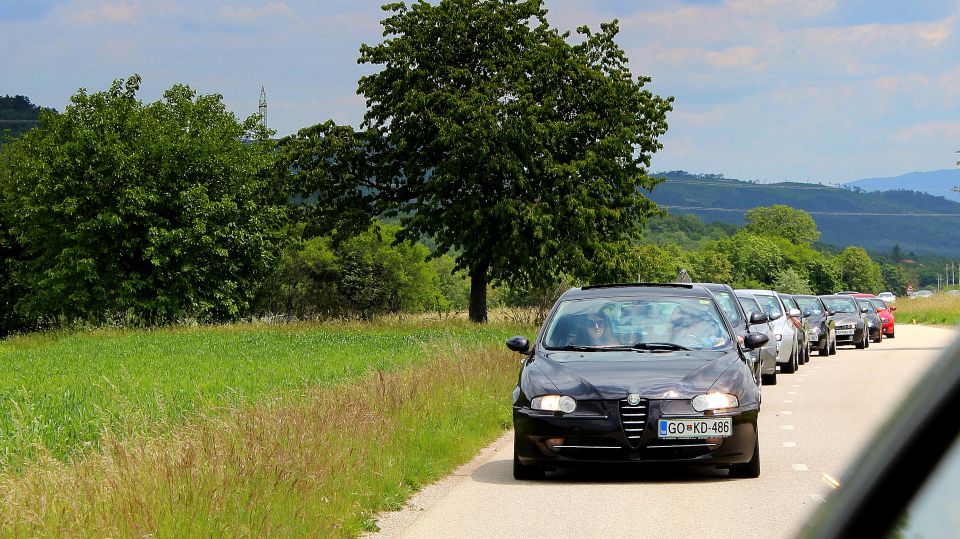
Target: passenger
column 695, row 330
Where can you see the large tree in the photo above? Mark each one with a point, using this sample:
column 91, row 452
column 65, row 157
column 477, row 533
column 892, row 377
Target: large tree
column 859, row 271
column 152, row 211
column 492, row 133
column 779, row 220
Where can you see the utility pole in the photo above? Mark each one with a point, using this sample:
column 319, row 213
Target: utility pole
column 938, row 282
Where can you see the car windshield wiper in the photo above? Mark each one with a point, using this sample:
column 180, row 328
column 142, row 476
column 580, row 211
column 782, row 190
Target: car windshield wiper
column 658, row 346
column 580, row 348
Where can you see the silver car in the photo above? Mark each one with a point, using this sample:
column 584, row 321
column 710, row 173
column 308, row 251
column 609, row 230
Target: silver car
column 788, row 356
column 769, row 351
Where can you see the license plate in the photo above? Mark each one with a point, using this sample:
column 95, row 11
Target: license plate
column 845, row 332
column 696, row 428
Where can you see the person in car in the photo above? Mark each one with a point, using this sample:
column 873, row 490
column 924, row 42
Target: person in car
column 695, row 330
column 598, row 331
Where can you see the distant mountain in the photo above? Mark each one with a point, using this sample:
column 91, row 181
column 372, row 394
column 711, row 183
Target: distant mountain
column 936, row 182
column 877, row 221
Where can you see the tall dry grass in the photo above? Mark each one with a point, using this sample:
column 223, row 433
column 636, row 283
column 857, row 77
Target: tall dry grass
column 319, row 467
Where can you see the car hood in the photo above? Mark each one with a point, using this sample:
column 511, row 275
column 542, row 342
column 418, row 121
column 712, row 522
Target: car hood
column 846, row 318
column 672, row 375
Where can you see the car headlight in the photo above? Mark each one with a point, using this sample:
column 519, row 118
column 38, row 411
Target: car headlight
column 714, row 401
column 554, row 403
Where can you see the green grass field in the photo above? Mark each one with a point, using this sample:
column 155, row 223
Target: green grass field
column 60, row 395
column 940, row 309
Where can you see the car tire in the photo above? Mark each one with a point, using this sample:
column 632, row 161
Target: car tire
column 890, row 336
column 748, row 470
column 866, row 339
column 769, row 379
column 833, row 347
column 879, row 337
column 523, row 472
column 863, row 342
column 825, row 351
column 790, row 366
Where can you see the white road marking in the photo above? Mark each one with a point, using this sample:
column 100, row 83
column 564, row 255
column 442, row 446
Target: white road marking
column 788, row 401
column 787, row 427
column 786, row 412
column 789, row 444
column 800, row 468
column 817, row 498
column 791, row 392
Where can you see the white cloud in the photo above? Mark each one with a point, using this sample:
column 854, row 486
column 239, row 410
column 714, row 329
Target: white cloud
column 247, row 14
column 106, row 11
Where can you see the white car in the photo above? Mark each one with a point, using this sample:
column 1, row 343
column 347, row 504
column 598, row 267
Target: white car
column 887, row 296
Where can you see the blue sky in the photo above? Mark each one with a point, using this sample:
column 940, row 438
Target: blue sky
column 809, row 90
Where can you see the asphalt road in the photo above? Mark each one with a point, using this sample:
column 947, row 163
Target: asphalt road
column 812, row 424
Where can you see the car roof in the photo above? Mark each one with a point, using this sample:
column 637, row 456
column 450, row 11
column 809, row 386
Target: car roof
column 837, row 296
column 636, row 289
column 758, row 291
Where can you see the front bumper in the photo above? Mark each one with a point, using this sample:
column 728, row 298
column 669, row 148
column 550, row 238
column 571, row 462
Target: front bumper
column 850, row 339
column 555, row 440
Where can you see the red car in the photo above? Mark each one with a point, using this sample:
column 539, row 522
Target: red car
column 884, row 311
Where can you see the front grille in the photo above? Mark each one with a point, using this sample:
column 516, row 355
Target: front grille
column 633, row 418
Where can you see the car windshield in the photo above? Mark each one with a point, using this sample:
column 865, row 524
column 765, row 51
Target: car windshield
column 648, row 324
column 769, row 304
column 810, row 304
column 864, row 303
column 725, row 299
column 878, row 303
column 841, row 305
column 749, row 305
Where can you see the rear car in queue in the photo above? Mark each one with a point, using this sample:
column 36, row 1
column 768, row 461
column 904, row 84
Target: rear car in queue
column 640, row 374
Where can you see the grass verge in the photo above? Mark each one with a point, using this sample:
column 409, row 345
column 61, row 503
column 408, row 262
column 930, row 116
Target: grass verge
column 60, row 395
column 320, row 466
column 939, row 309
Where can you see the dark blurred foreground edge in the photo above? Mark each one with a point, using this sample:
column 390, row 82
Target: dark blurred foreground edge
column 893, row 466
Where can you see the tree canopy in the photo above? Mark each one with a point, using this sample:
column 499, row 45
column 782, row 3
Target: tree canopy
column 859, row 271
column 489, row 132
column 154, row 212
column 779, row 220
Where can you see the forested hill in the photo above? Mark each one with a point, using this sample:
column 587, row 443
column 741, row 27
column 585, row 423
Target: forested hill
column 874, row 220
column 17, row 115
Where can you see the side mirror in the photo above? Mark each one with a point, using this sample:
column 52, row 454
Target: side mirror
column 795, row 313
column 519, row 344
column 865, row 309
column 755, row 340
column 758, row 318
column 776, row 315
column 892, row 309
column 807, row 314
column 831, row 312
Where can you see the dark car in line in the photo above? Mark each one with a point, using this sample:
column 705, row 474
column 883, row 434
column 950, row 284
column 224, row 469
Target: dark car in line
column 760, row 323
column 870, row 314
column 639, row 374
column 851, row 328
column 823, row 336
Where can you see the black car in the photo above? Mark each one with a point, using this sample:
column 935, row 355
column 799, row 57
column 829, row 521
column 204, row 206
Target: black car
column 646, row 374
column 820, row 320
column 851, row 328
column 870, row 314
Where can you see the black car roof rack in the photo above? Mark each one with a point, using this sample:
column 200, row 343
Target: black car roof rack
column 628, row 285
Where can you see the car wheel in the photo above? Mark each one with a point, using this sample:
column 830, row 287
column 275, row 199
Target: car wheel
column 866, row 339
column 863, row 342
column 833, row 347
column 790, row 366
column 890, row 336
column 825, row 351
column 748, row 470
column 522, row 471
column 806, row 354
column 879, row 337
column 769, row 379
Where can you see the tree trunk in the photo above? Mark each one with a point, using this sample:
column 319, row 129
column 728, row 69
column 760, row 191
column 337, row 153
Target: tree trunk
column 478, row 292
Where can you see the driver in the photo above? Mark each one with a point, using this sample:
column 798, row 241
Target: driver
column 598, row 331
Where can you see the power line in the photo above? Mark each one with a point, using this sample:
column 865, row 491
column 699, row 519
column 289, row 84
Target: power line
column 829, row 213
